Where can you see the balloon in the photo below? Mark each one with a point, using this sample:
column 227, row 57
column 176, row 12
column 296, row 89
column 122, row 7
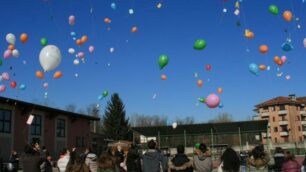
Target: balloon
column 199, row 44
column 84, row 39
column 111, row 50
column 57, row 75
column 220, row 90
column 73, row 34
column 287, row 46
column 105, row 93
column 283, row 59
column 13, row 84
column 2, row 88
column 278, row 60
column 76, row 61
column 5, row 76
column 10, row 38
column 23, row 37
column 11, row 47
column 200, row 83
column 107, row 20
column 253, row 68
column 134, row 29
column 43, row 41
column 91, row 49
column 202, row 100
column 273, row 9
column 249, row 34
column 113, row 6
column 50, row 57
column 78, row 42
column 287, row 15
column 174, row 125
column 1, row 62
column 163, row 77
column 39, row 74
column 100, row 97
column 262, row 67
column 208, row 67
column 288, row 77
column 263, row 49
column 45, row 85
column 212, row 101
column 71, row 20
column 220, row 105
column 159, row 5
column 7, row 54
column 71, row 51
column 15, row 53
column 22, row 87
column 81, row 55
column 304, row 42
column 163, row 61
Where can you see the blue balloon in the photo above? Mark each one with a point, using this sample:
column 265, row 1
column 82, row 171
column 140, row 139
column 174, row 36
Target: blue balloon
column 220, row 105
column 100, row 97
column 22, row 87
column 113, row 6
column 287, row 46
column 253, row 68
column 73, row 34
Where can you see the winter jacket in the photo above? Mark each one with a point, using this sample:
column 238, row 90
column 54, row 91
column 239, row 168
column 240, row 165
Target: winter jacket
column 153, row 161
column 258, row 165
column 202, row 163
column 62, row 163
column 279, row 159
column 91, row 162
column 291, row 166
column 133, row 162
column 80, row 168
column 30, row 163
column 180, row 163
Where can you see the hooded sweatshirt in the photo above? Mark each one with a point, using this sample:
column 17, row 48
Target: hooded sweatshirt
column 202, row 163
column 91, row 162
column 153, row 161
column 181, row 163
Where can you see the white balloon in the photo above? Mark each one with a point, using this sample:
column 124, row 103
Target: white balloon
column 71, row 51
column 15, row 53
column 76, row 61
column 174, row 125
column 304, row 42
column 10, row 38
column 50, row 57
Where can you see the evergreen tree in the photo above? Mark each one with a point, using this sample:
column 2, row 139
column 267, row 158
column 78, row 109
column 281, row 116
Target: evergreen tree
column 115, row 124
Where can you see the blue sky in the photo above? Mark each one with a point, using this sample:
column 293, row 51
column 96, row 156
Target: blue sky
column 132, row 69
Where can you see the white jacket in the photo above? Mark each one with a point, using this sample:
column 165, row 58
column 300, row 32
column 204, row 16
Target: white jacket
column 62, row 163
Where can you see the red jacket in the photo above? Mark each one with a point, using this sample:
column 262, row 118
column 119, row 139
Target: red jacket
column 291, row 166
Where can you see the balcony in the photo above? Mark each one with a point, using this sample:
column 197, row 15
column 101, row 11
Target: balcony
column 283, row 122
column 282, row 112
column 303, row 113
column 303, row 122
column 304, row 133
column 264, row 114
column 284, row 133
column 265, row 135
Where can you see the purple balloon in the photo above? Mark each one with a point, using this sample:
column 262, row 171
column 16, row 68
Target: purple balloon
column 7, row 54
column 212, row 101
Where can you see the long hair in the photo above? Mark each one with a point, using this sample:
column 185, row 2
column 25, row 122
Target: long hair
column 106, row 161
column 231, row 161
column 258, row 152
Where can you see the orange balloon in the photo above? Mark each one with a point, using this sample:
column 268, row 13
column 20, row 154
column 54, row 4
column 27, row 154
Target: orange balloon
column 220, row 90
column 276, row 59
column 23, row 37
column 287, row 15
column 249, row 34
column 163, row 77
column 78, row 42
column 39, row 74
column 200, row 83
column 11, row 47
column 57, row 74
column 279, row 62
column 263, row 49
column 262, row 67
column 134, row 29
column 84, row 39
column 107, row 20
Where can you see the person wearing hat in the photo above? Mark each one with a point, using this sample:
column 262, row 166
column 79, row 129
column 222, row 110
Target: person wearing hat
column 202, row 158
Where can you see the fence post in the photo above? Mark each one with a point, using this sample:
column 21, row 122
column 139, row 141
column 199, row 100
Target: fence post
column 212, row 142
column 185, row 139
column 158, row 140
column 239, row 138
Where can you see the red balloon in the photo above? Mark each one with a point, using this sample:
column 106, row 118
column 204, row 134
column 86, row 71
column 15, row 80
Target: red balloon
column 208, row 67
column 13, row 84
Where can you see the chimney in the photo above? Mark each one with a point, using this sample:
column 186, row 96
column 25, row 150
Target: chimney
column 292, row 97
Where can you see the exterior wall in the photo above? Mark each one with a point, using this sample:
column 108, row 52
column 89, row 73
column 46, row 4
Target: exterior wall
column 78, row 128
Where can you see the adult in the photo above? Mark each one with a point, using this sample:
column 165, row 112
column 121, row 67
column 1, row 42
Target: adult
column 229, row 161
column 153, row 160
column 30, row 160
column 290, row 164
column 202, row 158
column 63, row 160
column 180, row 162
column 91, row 160
column 106, row 163
column 279, row 159
column 133, row 161
column 258, row 161
column 14, row 160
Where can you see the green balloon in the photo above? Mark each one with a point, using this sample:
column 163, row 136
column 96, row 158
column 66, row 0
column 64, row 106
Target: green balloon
column 202, row 100
column 273, row 9
column 105, row 93
column 43, row 41
column 1, row 62
column 199, row 44
column 163, row 61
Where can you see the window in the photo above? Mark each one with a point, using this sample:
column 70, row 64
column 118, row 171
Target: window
column 275, row 129
column 286, row 139
column 273, row 119
column 60, row 128
column 265, row 108
column 297, row 118
column 299, row 128
column 284, row 128
column 80, row 142
column 5, row 121
column 275, row 140
column 36, row 126
column 282, row 107
column 272, row 108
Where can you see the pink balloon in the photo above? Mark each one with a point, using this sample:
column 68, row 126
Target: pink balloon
column 7, row 54
column 304, row 42
column 46, row 85
column 208, row 67
column 283, row 59
column 212, row 100
column 81, row 55
column 5, row 76
column 71, row 20
column 2, row 88
column 91, row 49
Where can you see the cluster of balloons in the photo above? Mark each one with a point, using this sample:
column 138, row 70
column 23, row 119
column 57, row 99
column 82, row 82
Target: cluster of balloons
column 249, row 34
column 280, row 60
column 82, row 40
column 104, row 94
column 287, row 15
column 13, row 84
column 199, row 44
column 11, row 49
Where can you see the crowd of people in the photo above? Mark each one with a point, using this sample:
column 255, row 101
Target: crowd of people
column 118, row 159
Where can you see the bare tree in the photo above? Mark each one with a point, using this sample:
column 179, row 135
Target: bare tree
column 147, row 120
column 187, row 120
column 71, row 108
column 222, row 117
